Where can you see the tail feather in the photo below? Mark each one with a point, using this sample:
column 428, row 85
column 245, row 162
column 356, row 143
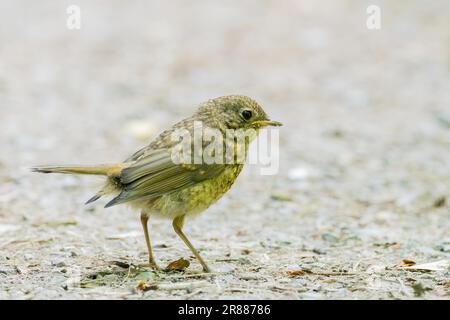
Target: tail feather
column 111, row 171
column 121, row 198
column 94, row 198
column 102, row 170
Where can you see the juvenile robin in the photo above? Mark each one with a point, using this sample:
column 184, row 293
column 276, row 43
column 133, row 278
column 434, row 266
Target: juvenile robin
column 154, row 183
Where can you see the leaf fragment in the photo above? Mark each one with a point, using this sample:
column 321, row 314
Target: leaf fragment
column 408, row 263
column 178, row 265
column 299, row 272
column 144, row 286
column 441, row 265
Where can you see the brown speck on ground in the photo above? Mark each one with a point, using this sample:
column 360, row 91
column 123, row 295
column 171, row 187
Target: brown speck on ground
column 364, row 177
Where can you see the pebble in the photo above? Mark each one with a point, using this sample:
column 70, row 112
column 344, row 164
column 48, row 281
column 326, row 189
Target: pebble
column 58, row 263
column 28, row 256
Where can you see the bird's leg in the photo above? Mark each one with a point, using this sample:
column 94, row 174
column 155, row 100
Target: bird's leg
column 151, row 259
column 178, row 223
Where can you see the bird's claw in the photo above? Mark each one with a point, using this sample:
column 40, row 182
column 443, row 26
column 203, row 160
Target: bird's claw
column 151, row 265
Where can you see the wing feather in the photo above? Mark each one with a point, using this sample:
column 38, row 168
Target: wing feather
column 155, row 174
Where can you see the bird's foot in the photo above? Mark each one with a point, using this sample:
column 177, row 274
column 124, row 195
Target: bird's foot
column 207, row 269
column 151, row 265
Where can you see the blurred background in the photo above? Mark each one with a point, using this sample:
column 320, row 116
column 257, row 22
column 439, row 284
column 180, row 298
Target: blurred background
column 364, row 153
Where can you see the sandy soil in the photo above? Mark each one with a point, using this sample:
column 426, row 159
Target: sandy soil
column 365, row 151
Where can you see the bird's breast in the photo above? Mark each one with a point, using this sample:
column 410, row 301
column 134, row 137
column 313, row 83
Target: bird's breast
column 194, row 199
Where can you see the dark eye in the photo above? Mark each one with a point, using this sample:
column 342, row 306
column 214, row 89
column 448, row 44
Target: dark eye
column 247, row 114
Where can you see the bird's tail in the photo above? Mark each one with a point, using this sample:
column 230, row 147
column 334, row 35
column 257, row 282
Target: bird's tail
column 110, row 170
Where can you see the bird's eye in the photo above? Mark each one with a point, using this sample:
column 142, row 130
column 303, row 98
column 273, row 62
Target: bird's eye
column 247, row 114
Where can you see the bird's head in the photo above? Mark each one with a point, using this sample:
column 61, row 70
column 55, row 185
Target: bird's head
column 238, row 112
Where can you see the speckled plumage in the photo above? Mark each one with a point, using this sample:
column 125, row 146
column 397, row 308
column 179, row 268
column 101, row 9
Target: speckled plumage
column 193, row 200
column 152, row 182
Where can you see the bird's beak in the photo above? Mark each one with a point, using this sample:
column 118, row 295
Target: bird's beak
column 267, row 123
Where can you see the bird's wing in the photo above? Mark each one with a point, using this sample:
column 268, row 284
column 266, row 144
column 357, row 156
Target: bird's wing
column 155, row 174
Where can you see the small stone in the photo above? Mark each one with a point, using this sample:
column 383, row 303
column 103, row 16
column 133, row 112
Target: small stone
column 329, row 238
column 58, row 263
column 444, row 247
column 319, row 251
column 28, row 256
column 281, row 197
column 440, row 202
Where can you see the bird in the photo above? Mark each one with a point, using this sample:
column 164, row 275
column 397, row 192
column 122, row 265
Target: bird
column 152, row 182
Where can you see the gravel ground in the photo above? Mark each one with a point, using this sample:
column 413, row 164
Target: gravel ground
column 364, row 179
